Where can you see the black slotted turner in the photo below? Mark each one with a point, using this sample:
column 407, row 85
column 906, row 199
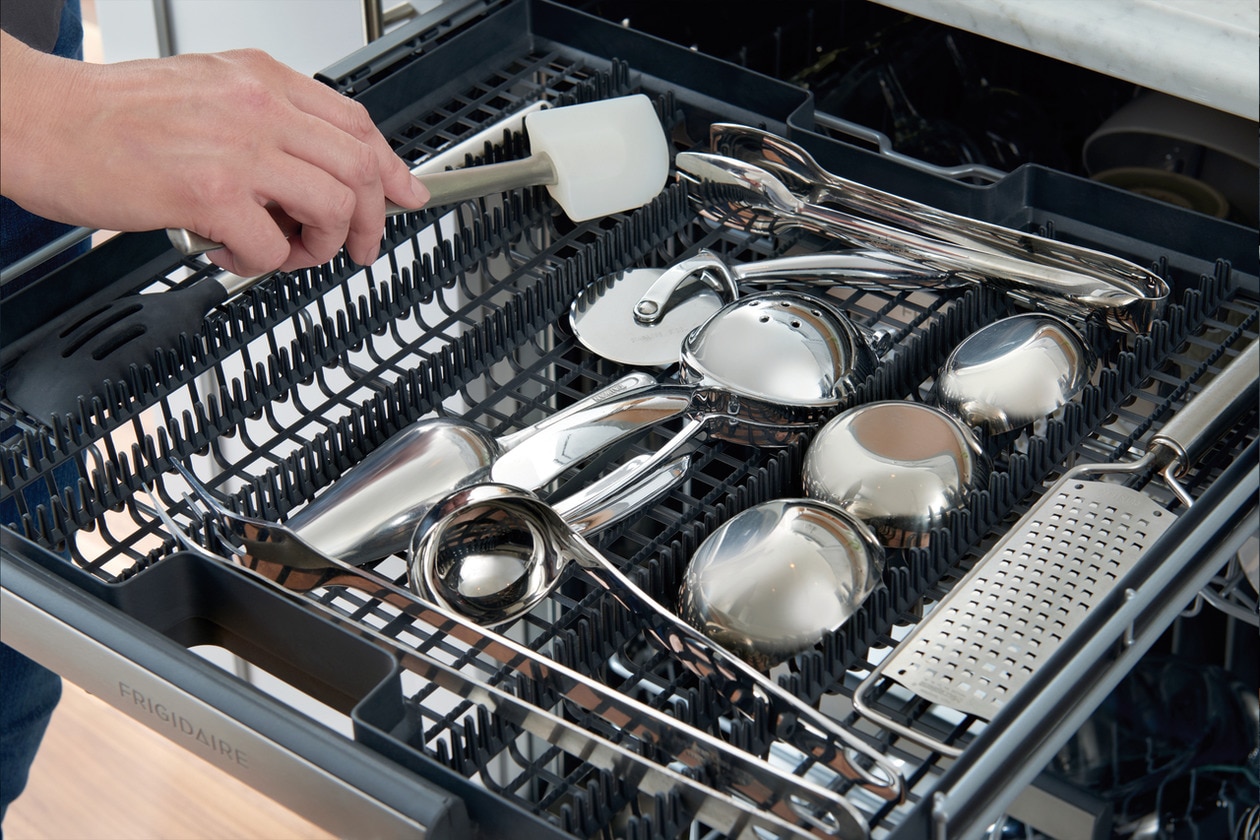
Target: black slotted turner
column 81, row 351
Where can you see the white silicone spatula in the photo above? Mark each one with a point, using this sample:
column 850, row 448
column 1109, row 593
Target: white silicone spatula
column 595, row 158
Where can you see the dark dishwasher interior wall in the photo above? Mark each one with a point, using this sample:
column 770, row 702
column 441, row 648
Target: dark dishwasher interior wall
column 951, row 98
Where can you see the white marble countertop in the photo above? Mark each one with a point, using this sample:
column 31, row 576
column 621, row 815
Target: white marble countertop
column 1201, row 50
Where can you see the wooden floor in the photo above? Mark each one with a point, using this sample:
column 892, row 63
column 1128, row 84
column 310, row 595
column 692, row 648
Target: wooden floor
column 100, row 775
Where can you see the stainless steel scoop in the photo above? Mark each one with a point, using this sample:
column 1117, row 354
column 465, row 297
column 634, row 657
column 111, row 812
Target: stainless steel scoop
column 898, row 466
column 751, row 198
column 1013, row 372
column 501, row 527
column 775, row 579
column 641, row 316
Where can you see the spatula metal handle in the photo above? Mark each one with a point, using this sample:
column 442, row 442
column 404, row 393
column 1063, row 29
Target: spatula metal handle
column 1202, row 420
column 445, row 188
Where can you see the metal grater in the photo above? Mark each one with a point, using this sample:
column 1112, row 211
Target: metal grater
column 1016, row 607
column 989, row 635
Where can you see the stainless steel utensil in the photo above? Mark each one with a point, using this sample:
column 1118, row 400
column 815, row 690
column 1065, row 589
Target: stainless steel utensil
column 1012, row 372
column 806, row 177
column 595, row 158
column 371, row 511
column 747, row 197
column 766, row 370
column 898, row 466
column 641, row 316
column 1018, row 604
column 752, row 797
column 773, row 580
column 501, row 526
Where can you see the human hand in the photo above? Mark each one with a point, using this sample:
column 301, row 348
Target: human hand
column 234, row 146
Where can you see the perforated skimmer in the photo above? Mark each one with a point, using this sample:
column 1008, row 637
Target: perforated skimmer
column 1019, row 603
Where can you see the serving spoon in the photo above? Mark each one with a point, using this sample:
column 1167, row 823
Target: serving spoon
column 903, row 466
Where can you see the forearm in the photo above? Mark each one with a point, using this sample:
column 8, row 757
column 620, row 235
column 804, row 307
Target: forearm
column 36, row 90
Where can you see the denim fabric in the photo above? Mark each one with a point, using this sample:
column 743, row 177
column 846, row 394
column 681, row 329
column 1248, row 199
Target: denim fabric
column 28, row 691
column 28, row 694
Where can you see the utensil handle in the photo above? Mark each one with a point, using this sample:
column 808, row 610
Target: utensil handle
column 860, row 269
column 540, row 458
column 631, row 383
column 1070, row 293
column 1210, row 413
column 620, row 494
column 449, row 187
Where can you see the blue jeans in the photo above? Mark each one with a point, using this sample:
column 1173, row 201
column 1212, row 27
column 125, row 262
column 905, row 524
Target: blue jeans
column 28, row 694
column 28, row 691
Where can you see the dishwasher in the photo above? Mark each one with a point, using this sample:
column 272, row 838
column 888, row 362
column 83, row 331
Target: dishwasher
column 375, row 717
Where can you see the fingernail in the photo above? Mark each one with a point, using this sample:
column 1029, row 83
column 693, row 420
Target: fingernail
column 419, row 192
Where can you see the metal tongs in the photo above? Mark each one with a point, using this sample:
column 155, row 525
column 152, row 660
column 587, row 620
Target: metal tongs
column 740, row 795
column 761, row 183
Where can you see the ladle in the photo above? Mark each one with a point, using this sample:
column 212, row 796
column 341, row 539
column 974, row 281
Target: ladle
column 640, row 316
column 766, row 370
column 774, row 579
column 898, row 466
column 751, row 198
column 786, row 800
column 495, row 526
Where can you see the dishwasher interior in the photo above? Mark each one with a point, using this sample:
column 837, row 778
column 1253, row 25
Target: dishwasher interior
column 288, row 386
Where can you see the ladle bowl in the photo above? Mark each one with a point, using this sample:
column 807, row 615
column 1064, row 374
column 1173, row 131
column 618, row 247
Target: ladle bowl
column 776, row 356
column 898, row 466
column 1013, row 372
column 772, row 581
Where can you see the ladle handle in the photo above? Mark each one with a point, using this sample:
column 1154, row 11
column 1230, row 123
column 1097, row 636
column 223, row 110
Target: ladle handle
column 620, row 494
column 536, row 460
column 631, row 383
column 861, row 269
